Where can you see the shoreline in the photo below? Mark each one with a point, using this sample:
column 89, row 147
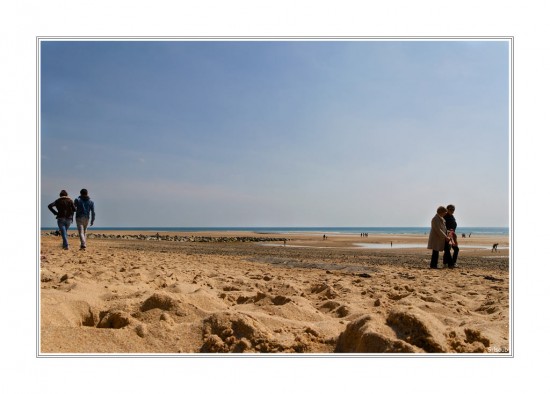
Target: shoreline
column 335, row 231
column 353, row 241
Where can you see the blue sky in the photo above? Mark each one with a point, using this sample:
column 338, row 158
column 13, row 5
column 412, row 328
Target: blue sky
column 277, row 133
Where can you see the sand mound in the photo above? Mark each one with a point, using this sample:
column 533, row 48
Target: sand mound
column 366, row 335
column 335, row 308
column 469, row 340
column 236, row 333
column 68, row 313
column 418, row 328
column 115, row 319
column 160, row 301
column 229, row 332
column 324, row 290
column 406, row 329
column 205, row 299
column 182, row 288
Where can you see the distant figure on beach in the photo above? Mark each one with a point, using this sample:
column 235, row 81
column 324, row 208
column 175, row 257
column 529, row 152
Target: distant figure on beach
column 494, row 248
column 285, row 242
column 391, row 244
column 324, row 237
column 84, row 209
column 438, row 235
column 463, row 235
column 450, row 223
column 64, row 214
column 469, row 235
column 158, row 237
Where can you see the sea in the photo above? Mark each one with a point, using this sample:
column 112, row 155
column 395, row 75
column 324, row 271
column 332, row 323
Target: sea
column 309, row 230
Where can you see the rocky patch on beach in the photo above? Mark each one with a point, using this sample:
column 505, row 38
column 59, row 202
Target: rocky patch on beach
column 174, row 238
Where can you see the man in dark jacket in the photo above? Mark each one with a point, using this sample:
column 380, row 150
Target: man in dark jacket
column 64, row 214
column 450, row 223
column 84, row 207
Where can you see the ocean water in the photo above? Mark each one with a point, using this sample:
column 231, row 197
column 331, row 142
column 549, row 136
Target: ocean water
column 312, row 230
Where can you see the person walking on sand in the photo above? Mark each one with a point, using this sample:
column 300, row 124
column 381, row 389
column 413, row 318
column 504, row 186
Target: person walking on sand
column 64, row 214
column 438, row 235
column 84, row 207
column 450, row 223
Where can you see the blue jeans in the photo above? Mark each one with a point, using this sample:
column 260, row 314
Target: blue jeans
column 64, row 225
column 82, row 225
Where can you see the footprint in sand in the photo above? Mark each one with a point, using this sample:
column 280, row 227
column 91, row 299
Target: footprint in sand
column 335, row 308
column 324, row 290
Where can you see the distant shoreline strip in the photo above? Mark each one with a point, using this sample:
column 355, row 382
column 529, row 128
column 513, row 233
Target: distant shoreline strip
column 501, row 231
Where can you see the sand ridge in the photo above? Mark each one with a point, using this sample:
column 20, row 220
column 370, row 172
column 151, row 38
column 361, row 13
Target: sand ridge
column 148, row 296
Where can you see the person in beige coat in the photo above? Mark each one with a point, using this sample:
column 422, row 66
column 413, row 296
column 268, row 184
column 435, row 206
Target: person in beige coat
column 438, row 235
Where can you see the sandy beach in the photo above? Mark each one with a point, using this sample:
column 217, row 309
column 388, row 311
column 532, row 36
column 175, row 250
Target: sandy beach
column 191, row 293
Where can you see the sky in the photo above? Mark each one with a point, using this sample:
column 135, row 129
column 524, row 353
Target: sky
column 277, row 133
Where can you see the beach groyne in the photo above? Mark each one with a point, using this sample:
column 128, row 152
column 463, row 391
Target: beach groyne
column 173, row 238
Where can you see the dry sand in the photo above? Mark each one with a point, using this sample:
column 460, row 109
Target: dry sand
column 310, row 296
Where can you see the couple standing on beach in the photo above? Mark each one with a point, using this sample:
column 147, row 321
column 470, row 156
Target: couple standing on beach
column 443, row 237
column 66, row 208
